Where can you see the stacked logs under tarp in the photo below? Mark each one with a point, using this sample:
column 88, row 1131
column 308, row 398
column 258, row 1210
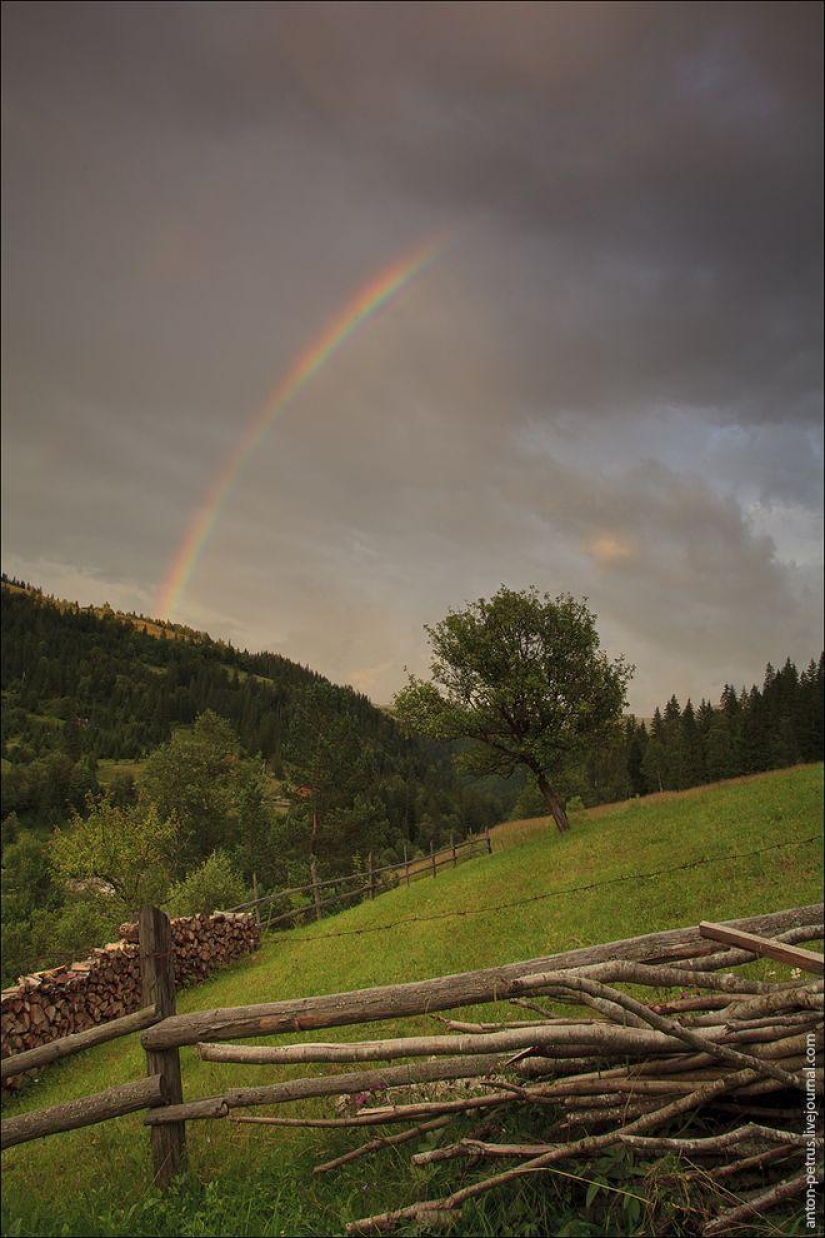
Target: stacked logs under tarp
column 654, row 1044
column 60, row 1001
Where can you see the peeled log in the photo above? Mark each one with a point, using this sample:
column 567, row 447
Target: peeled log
column 333, row 1085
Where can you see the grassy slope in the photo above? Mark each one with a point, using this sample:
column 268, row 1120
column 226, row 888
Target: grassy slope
column 249, row 1181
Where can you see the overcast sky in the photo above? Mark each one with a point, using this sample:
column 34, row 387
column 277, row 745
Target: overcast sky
column 608, row 383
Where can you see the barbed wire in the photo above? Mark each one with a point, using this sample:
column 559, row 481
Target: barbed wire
column 548, row 894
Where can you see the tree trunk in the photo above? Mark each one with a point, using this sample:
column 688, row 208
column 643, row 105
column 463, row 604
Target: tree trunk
column 553, row 803
column 313, row 872
column 316, row 894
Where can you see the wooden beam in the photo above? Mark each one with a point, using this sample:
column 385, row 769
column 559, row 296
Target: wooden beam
column 582, row 1034
column 31, row 1059
column 332, row 1085
column 794, row 956
column 84, row 1112
column 444, row 993
column 157, row 976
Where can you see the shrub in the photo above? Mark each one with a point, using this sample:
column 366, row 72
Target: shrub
column 86, row 920
column 214, row 884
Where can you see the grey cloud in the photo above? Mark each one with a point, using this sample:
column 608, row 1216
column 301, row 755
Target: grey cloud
column 620, row 341
column 696, row 588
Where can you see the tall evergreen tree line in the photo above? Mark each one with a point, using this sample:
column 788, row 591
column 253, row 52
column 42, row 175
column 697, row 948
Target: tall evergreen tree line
column 756, row 729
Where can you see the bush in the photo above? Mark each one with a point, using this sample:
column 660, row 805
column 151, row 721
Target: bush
column 123, row 790
column 530, row 803
column 9, row 830
column 86, row 920
column 213, row 885
column 130, row 849
column 18, row 953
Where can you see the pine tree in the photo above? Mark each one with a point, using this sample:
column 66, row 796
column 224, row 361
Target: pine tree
column 691, row 746
column 784, row 749
column 636, row 747
column 730, row 710
column 675, row 758
column 754, row 733
column 704, row 721
column 809, row 712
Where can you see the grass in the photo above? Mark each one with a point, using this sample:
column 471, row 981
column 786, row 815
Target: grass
column 108, row 769
column 733, row 850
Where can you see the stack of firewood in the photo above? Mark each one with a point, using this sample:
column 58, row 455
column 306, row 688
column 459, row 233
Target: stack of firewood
column 51, row 1004
column 204, row 942
column 55, row 1003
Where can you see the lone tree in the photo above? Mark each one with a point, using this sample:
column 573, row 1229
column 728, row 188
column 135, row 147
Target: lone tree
column 522, row 677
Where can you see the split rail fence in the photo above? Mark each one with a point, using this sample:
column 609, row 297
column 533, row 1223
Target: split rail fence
column 611, row 1079
column 327, row 896
column 534, row 1047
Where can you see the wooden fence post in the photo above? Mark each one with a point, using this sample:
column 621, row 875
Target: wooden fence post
column 406, row 865
column 432, row 857
column 316, row 893
column 452, row 848
column 157, row 977
column 257, row 911
column 371, row 876
column 487, row 840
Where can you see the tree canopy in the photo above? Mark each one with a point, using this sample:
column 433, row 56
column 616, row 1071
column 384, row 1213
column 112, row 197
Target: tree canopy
column 129, row 849
column 193, row 779
column 523, row 678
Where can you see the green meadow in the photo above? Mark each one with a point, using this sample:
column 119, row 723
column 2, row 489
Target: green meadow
column 735, row 849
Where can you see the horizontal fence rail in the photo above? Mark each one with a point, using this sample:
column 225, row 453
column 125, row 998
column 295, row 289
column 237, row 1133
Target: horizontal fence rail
column 86, row 1111
column 373, row 881
column 65, row 1046
column 443, row 993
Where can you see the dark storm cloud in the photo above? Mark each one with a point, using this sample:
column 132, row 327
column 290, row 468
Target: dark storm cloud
column 651, row 166
column 609, row 382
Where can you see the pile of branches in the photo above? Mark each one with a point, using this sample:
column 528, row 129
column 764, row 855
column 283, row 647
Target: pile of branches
column 625, row 1071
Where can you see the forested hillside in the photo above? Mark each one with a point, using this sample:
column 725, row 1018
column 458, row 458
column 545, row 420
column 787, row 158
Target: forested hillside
column 146, row 762
column 124, row 688
column 230, row 767
column 80, row 686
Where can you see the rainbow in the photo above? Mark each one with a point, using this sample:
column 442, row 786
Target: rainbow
column 377, row 293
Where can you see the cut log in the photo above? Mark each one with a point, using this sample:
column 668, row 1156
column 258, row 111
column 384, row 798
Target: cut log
column 425, row 996
column 334, row 1085
column 113, row 1103
column 67, row 1045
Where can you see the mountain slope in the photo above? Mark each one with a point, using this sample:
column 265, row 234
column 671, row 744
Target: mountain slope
column 92, row 685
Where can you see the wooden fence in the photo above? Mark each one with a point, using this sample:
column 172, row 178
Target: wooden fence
column 163, row 1032
column 162, row 1086
column 327, row 897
